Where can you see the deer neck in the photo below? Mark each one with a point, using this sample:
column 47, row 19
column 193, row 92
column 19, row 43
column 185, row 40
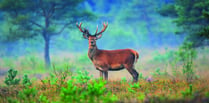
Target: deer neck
column 92, row 51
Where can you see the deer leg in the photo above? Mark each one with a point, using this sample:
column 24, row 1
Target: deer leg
column 101, row 74
column 106, row 75
column 134, row 74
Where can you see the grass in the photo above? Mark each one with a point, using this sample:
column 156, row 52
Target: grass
column 72, row 79
column 162, row 90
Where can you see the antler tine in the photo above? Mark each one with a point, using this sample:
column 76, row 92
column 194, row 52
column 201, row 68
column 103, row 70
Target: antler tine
column 105, row 27
column 96, row 30
column 104, row 24
column 79, row 26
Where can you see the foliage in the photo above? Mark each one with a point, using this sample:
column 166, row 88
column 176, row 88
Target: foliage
column 192, row 17
column 10, row 79
column 158, row 73
column 82, row 77
column 171, row 58
column 29, row 18
column 187, row 54
column 188, row 91
column 32, row 61
column 141, row 96
column 145, row 30
column 21, row 14
column 95, row 90
column 12, row 100
column 108, row 92
column 134, row 23
column 71, row 93
column 207, row 94
column 183, row 57
column 133, row 87
column 168, row 10
column 60, row 76
column 57, row 78
column 27, row 94
column 93, row 93
column 43, row 99
column 123, row 80
column 110, row 98
column 141, row 76
column 26, row 81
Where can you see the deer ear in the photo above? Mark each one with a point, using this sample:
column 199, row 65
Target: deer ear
column 99, row 36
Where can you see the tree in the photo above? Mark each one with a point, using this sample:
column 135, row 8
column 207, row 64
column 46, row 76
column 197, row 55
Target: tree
column 192, row 16
column 145, row 21
column 29, row 18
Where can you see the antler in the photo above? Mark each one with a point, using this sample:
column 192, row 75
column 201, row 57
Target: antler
column 79, row 26
column 96, row 30
column 105, row 27
column 85, row 32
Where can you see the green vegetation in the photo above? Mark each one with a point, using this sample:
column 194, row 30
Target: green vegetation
column 10, row 79
column 192, row 17
column 28, row 19
column 188, row 91
column 79, row 86
column 27, row 94
column 134, row 23
column 43, row 57
column 187, row 54
column 180, row 61
column 174, row 79
column 26, row 81
column 106, row 92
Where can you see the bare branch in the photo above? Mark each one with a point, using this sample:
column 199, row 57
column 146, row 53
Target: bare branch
column 34, row 23
column 42, row 8
column 52, row 10
column 62, row 29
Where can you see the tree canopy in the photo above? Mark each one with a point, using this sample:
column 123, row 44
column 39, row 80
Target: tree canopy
column 192, row 17
column 134, row 24
column 29, row 18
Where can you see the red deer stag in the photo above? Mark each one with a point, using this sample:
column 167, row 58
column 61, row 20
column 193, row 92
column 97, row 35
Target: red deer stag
column 111, row 60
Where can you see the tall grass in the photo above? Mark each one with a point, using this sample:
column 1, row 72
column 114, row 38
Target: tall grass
column 68, row 80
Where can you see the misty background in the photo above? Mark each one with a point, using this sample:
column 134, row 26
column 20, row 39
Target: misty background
column 132, row 24
column 36, row 35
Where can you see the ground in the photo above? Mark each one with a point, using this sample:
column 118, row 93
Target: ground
column 73, row 78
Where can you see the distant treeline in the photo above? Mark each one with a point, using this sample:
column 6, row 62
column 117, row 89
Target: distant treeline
column 132, row 24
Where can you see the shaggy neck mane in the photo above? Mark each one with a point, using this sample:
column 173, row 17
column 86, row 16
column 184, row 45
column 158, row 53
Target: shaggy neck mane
column 92, row 51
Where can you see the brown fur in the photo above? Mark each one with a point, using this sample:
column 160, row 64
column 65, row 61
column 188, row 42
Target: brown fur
column 112, row 60
column 105, row 60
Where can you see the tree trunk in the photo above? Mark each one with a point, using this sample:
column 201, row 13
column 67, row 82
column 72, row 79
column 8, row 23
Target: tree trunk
column 46, row 53
column 46, row 37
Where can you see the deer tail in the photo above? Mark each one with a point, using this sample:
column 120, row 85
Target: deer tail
column 136, row 55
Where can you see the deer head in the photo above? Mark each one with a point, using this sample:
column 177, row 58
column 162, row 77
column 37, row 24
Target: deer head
column 86, row 33
column 92, row 38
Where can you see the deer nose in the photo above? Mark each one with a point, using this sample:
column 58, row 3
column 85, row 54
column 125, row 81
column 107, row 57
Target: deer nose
column 92, row 42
